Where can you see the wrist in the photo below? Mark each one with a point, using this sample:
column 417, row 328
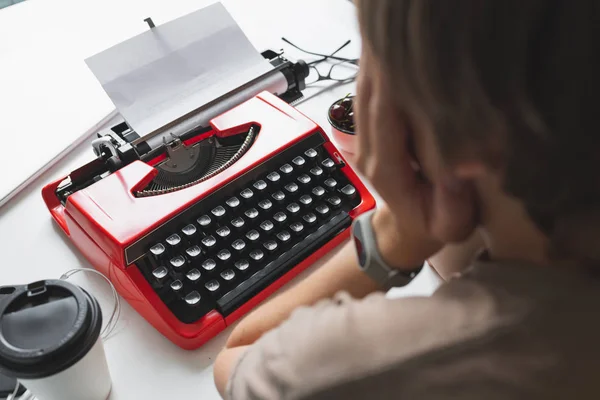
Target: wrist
column 399, row 249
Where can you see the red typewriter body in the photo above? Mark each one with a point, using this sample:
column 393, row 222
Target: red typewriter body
column 107, row 221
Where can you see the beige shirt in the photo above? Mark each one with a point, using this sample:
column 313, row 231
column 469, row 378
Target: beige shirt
column 499, row 331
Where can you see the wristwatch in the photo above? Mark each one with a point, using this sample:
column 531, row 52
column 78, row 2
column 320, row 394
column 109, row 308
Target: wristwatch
column 370, row 260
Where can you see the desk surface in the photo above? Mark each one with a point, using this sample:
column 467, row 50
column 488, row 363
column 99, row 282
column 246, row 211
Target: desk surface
column 143, row 364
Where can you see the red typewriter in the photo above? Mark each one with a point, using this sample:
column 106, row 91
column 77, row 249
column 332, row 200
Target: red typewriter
column 195, row 229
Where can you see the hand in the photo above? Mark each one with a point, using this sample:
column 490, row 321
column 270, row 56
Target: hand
column 426, row 213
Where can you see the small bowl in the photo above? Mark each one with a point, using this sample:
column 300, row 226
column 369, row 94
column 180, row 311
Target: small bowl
column 344, row 139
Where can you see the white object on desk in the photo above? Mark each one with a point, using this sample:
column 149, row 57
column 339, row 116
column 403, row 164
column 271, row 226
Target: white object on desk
column 143, row 364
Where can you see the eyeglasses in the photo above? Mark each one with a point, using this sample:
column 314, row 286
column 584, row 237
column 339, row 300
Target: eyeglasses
column 344, row 69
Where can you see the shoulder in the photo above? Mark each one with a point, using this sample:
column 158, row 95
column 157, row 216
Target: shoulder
column 345, row 338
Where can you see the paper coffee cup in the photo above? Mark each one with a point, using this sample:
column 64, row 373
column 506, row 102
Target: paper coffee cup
column 50, row 341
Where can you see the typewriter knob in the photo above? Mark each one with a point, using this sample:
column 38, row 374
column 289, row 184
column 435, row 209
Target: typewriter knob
column 114, row 163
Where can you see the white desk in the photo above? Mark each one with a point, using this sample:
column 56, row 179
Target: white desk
column 143, row 364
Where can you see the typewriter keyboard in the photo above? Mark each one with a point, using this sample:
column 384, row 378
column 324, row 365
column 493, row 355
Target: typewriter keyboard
column 235, row 242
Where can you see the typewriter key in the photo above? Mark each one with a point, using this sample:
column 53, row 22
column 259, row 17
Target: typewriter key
column 271, row 245
column 306, row 200
column 228, row 275
column 331, row 183
column 238, row 245
column 160, row 272
column 193, row 298
column 322, row 209
column 297, row 227
column 204, row 221
column 242, row 265
column 310, row 218
column 212, row 286
column 311, row 153
column 328, row 164
column 318, row 191
column 334, row 201
column 267, row 226
column 238, row 223
column 223, row 231
column 257, row 255
column 209, row 264
column 189, row 230
column 260, row 185
column 209, row 241
column 176, row 285
column 233, row 202
column 178, row 261
column 252, row 213
column 291, row 188
column 194, row 275
column 304, row 179
column 293, row 208
column 194, row 251
column 224, row 255
column 265, row 204
column 174, row 240
column 218, row 212
column 286, row 169
column 157, row 249
column 349, row 191
column 299, row 161
column 278, row 196
column 274, row 177
column 280, row 217
column 316, row 171
column 253, row 235
column 247, row 194
column 284, row 236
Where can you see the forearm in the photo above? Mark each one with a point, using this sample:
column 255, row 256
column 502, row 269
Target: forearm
column 340, row 273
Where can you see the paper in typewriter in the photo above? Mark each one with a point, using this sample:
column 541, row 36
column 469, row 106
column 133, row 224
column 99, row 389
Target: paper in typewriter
column 165, row 73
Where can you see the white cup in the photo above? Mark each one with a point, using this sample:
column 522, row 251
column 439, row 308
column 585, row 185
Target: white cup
column 50, row 341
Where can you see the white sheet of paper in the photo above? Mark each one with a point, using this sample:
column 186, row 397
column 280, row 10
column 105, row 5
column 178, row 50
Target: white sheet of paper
column 173, row 69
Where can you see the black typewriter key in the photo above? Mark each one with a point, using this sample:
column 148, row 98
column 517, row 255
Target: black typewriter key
column 157, row 250
column 223, row 231
column 253, row 235
column 212, row 286
column 306, row 200
column 224, row 255
column 270, row 246
column 238, row 245
column 176, row 286
column 310, row 219
column 260, row 185
column 209, row 264
column 252, row 213
column 280, row 217
column 233, row 202
column 322, row 210
column 328, row 164
column 219, row 212
column 349, row 191
column 304, row 179
column 228, row 275
column 204, row 221
column 330, row 183
column 194, row 275
column 194, row 252
column 160, row 273
column 297, row 227
column 286, row 169
column 291, row 188
column 265, row 204
column 209, row 241
column 278, row 196
column 178, row 262
column 257, row 255
column 247, row 194
column 238, row 223
column 174, row 240
column 274, row 177
column 284, row 236
column 193, row 298
column 334, row 201
column 267, row 226
column 311, row 153
column 318, row 192
column 293, row 208
column 242, row 265
column 316, row 172
column 189, row 230
column 299, row 161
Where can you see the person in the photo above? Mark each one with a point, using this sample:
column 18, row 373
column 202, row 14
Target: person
column 474, row 118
